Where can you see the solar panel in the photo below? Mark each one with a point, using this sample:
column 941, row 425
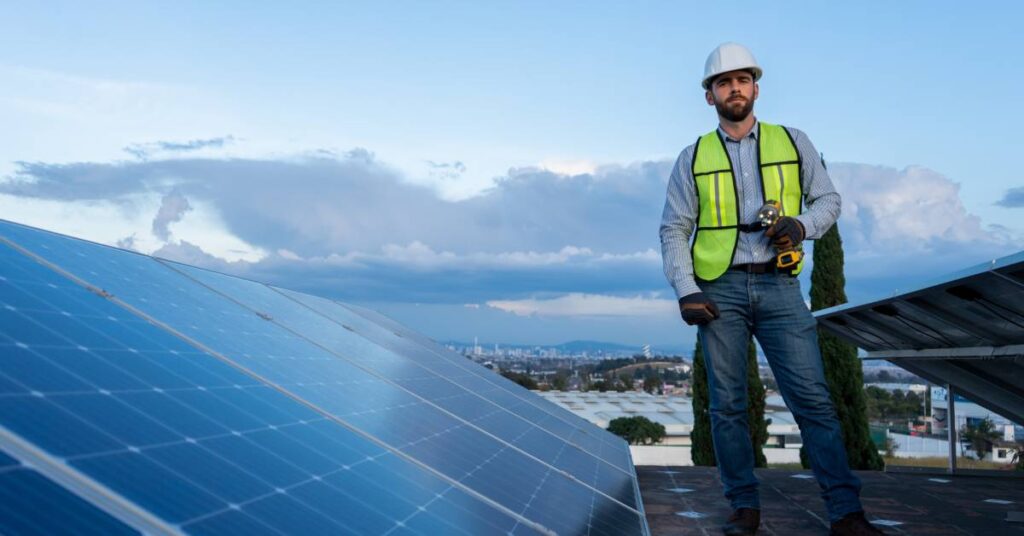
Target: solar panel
column 965, row 329
column 186, row 437
column 211, row 415
column 437, row 381
column 552, row 417
column 24, row 492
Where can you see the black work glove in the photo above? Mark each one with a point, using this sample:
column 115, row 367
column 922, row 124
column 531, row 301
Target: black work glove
column 787, row 233
column 697, row 309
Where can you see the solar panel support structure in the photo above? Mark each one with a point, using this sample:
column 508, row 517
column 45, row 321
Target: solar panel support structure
column 951, row 426
column 964, row 331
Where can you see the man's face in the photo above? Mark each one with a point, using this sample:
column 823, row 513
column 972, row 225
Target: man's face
column 733, row 94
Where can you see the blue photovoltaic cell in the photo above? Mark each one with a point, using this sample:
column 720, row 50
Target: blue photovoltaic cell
column 250, row 421
column 31, row 504
column 542, row 413
column 429, row 377
column 390, row 334
column 192, row 439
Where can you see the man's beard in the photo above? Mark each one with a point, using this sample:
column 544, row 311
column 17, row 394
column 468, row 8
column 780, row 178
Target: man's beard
column 726, row 110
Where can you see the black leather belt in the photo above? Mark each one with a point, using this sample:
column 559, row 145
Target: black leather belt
column 758, row 268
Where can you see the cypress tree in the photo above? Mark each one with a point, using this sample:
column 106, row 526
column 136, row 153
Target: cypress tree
column 842, row 366
column 702, row 450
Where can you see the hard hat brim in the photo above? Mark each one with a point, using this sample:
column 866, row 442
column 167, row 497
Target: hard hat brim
column 706, row 83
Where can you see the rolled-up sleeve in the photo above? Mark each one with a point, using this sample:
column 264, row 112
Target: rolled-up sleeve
column 823, row 203
column 677, row 223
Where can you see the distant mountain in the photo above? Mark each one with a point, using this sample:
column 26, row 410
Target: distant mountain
column 578, row 347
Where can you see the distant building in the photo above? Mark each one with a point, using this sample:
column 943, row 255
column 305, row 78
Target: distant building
column 968, row 412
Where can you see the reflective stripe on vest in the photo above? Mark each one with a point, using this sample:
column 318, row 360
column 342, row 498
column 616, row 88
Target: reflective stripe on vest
column 714, row 243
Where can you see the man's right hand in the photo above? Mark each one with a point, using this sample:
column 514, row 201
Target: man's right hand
column 697, row 309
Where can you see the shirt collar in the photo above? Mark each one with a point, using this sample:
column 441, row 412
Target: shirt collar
column 754, row 132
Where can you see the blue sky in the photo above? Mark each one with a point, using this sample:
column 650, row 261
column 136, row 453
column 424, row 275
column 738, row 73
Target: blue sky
column 495, row 169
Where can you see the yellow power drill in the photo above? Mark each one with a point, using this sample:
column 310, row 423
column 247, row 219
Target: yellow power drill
column 768, row 215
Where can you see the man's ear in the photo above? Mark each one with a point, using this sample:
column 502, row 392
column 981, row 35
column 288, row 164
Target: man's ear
column 757, row 90
column 711, row 100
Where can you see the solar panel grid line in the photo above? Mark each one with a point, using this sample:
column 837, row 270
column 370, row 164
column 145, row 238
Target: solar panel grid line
column 317, row 343
column 475, row 393
column 83, row 485
column 141, row 314
column 582, row 427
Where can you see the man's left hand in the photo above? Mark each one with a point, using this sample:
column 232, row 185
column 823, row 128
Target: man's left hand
column 788, row 232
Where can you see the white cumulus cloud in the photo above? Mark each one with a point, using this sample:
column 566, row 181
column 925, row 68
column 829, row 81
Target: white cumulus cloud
column 581, row 304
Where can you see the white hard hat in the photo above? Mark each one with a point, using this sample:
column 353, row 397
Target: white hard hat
column 729, row 57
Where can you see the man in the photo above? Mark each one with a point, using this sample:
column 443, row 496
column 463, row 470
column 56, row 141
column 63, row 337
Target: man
column 730, row 286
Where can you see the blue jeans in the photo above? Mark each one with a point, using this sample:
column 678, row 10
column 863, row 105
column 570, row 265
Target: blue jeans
column 771, row 307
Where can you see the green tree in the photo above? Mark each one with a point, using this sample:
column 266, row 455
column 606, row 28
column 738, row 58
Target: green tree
column 637, row 430
column 980, row 436
column 522, row 379
column 842, row 366
column 627, row 381
column 559, row 383
column 652, row 382
column 702, row 450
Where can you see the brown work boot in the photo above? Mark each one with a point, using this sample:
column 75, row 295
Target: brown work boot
column 854, row 524
column 742, row 522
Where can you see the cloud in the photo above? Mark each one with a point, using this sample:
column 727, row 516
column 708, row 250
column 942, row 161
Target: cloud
column 446, row 171
column 418, row 274
column 901, row 209
column 908, row 225
column 172, row 208
column 143, row 151
column 188, row 253
column 127, row 242
column 317, row 206
column 1013, row 198
column 349, row 226
column 569, row 167
column 579, row 304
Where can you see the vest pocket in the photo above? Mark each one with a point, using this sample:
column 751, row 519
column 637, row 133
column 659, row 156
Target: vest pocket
column 713, row 250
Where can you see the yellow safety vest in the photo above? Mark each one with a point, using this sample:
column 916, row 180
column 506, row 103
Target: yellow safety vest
column 718, row 215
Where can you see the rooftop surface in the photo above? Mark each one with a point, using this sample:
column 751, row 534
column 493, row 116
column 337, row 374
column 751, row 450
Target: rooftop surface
column 688, row 500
